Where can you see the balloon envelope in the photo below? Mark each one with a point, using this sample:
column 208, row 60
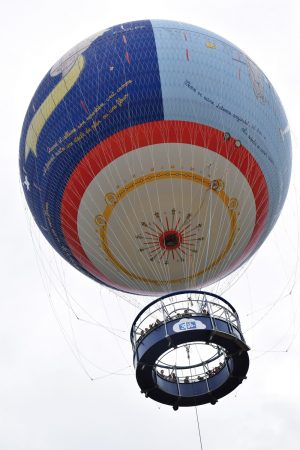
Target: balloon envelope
column 155, row 156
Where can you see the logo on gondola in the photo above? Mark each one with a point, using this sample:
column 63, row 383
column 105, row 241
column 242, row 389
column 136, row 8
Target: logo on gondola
column 188, row 324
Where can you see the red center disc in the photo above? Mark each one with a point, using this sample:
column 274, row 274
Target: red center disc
column 170, row 240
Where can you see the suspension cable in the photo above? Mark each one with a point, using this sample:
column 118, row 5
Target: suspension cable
column 199, row 432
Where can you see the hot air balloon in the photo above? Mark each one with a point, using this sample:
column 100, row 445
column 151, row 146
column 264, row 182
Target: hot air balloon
column 155, row 157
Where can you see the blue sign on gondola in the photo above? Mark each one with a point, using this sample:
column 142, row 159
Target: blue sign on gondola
column 187, row 325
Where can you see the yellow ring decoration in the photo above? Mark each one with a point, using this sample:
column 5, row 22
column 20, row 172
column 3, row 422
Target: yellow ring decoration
column 153, row 176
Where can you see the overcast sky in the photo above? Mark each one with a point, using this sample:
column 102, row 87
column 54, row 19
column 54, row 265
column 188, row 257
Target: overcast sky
column 47, row 400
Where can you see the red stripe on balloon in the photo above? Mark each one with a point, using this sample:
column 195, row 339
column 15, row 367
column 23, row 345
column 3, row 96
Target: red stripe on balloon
column 152, row 133
column 127, row 57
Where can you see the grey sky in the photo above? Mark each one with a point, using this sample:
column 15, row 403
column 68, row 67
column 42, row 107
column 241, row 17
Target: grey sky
column 47, row 402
